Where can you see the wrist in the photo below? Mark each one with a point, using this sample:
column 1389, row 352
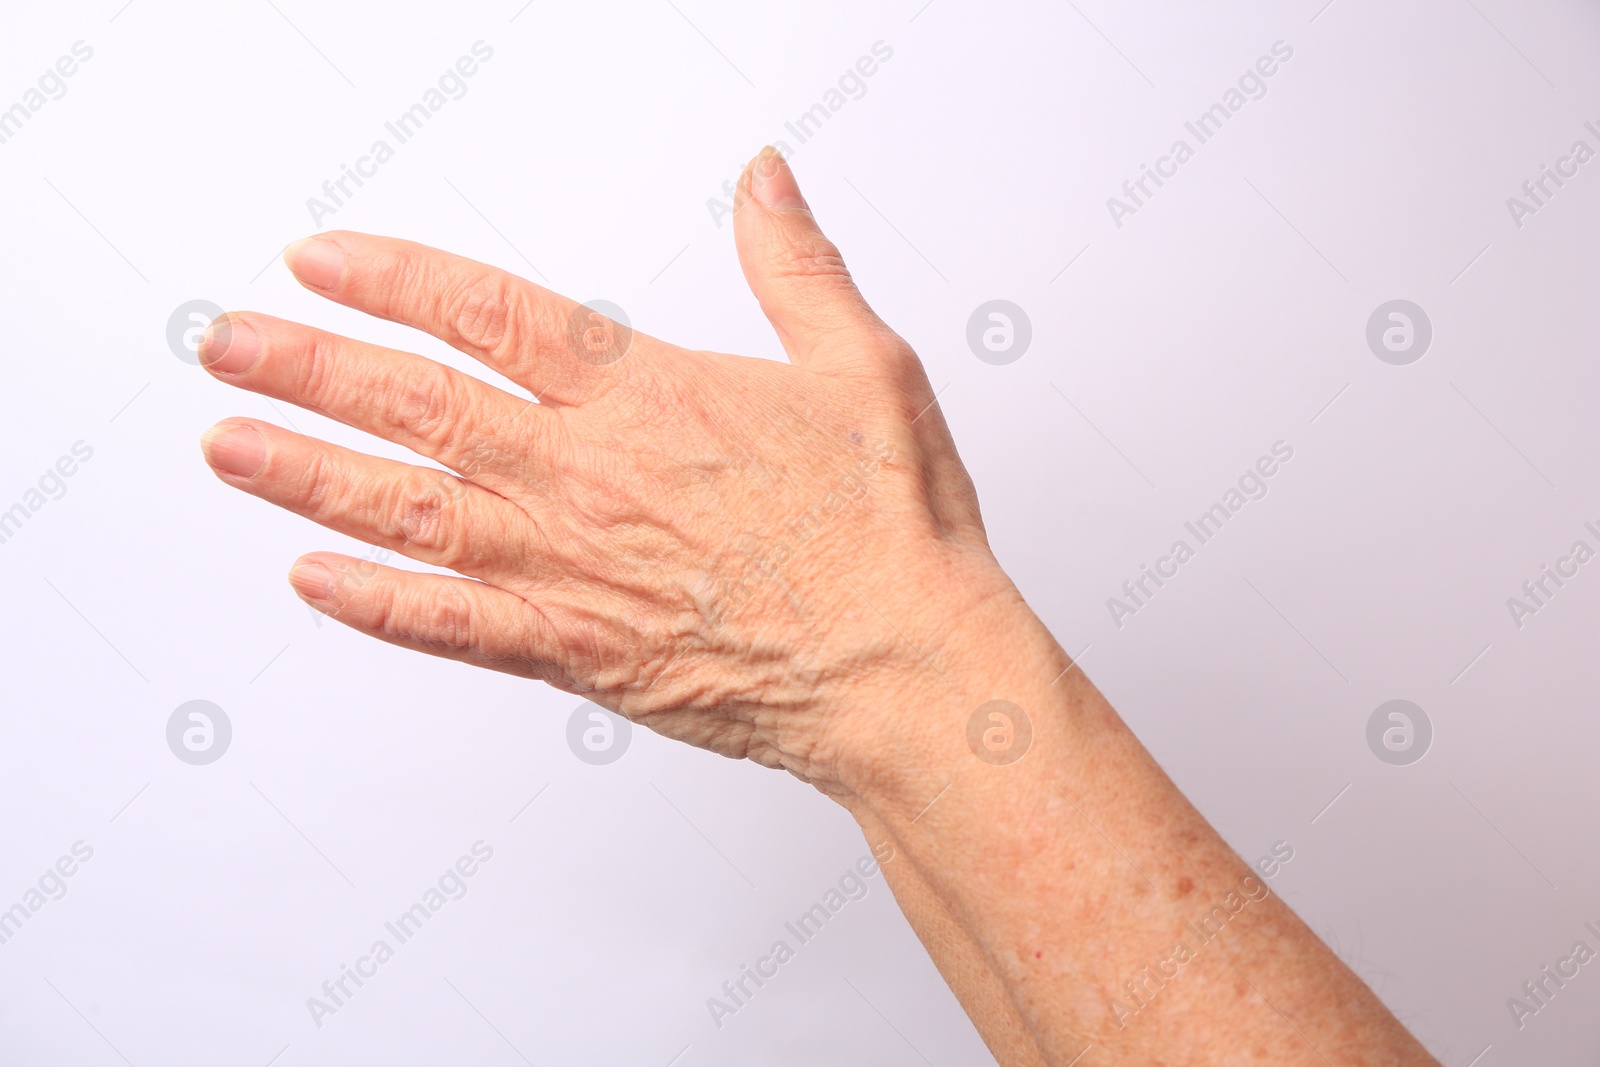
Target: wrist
column 976, row 654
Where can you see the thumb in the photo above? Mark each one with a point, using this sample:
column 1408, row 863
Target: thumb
column 797, row 274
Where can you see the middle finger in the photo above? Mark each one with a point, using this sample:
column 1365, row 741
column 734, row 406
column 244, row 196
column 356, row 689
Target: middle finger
column 436, row 411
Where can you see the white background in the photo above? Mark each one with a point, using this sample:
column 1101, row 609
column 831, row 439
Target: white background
column 1172, row 352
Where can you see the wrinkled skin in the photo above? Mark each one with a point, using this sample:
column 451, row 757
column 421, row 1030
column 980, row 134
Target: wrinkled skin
column 732, row 551
column 782, row 562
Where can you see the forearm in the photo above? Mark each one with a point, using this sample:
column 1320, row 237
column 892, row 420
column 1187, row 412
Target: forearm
column 838, row 615
column 1107, row 908
column 960, row 959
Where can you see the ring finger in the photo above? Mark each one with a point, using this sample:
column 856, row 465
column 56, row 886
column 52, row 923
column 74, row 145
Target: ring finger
column 429, row 515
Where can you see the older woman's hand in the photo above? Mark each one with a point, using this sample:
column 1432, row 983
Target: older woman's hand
column 742, row 554
column 786, row 563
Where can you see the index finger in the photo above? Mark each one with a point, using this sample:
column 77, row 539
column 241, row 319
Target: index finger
column 559, row 350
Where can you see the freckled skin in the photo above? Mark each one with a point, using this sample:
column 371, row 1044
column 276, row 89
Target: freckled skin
column 784, row 563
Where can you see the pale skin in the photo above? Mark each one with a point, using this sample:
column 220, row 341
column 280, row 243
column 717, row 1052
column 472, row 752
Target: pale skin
column 785, row 562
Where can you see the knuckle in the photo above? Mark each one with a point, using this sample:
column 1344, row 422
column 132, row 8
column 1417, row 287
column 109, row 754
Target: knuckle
column 443, row 618
column 315, row 379
column 424, row 405
column 382, row 614
column 420, row 510
column 484, row 309
column 312, row 484
column 446, row 619
column 898, row 363
column 392, row 611
column 810, row 256
column 425, row 509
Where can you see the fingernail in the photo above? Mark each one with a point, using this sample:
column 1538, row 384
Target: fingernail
column 316, row 261
column 773, row 185
column 236, row 450
column 312, row 580
column 229, row 346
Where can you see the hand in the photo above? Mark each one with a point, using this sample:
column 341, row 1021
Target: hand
column 735, row 552
column 785, row 563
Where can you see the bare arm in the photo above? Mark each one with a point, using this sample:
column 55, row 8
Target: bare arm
column 785, row 563
column 961, row 962
column 1122, row 927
